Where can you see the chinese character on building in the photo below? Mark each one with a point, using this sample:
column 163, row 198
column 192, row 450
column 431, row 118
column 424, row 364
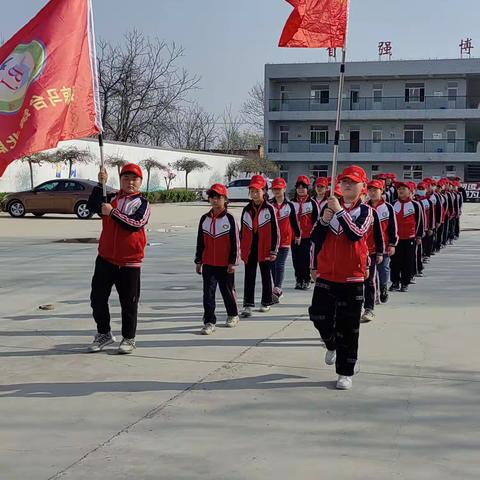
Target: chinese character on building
column 466, row 47
column 385, row 48
column 332, row 53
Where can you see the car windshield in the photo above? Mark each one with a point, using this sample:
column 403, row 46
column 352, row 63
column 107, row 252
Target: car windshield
column 47, row 187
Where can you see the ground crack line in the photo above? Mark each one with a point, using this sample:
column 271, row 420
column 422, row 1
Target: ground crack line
column 155, row 411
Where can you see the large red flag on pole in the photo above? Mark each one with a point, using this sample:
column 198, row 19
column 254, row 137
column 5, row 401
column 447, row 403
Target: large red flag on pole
column 48, row 81
column 321, row 24
column 316, row 24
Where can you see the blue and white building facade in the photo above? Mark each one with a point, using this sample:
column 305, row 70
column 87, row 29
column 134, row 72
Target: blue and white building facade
column 414, row 118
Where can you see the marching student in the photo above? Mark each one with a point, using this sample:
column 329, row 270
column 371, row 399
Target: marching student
column 410, row 232
column 437, row 214
column 306, row 209
column 447, row 206
column 216, row 257
column 259, row 242
column 421, row 196
column 120, row 254
column 389, row 230
column 320, row 194
column 459, row 207
column 289, row 233
column 340, row 260
column 390, row 188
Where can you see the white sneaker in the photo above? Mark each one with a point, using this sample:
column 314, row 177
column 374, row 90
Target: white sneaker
column 264, row 309
column 207, row 329
column 367, row 316
column 344, row 382
column 232, row 322
column 246, row 312
column 100, row 341
column 127, row 346
column 330, row 357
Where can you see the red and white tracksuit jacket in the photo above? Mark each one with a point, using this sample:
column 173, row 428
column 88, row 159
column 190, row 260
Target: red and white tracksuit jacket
column 340, row 247
column 409, row 219
column 123, row 239
column 428, row 213
column 388, row 225
column 306, row 209
column 261, row 221
column 287, row 222
column 218, row 240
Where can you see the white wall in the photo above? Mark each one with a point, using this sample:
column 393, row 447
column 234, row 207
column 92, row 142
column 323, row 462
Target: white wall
column 17, row 176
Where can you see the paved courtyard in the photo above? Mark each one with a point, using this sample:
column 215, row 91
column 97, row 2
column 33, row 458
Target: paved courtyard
column 256, row 402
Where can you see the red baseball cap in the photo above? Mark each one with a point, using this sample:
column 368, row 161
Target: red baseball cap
column 219, row 189
column 132, row 168
column 279, row 183
column 322, row 181
column 303, row 179
column 403, row 184
column 378, row 183
column 422, row 186
column 355, row 173
column 381, row 176
column 257, row 181
column 456, row 183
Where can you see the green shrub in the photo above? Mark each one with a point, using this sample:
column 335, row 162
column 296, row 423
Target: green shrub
column 2, row 196
column 171, row 196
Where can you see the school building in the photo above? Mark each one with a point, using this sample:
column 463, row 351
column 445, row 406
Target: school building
column 415, row 118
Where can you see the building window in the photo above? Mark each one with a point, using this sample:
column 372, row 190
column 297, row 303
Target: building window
column 375, row 169
column 318, row 135
column 377, row 93
column 376, row 136
column 414, row 92
column 452, row 136
column 320, row 94
column 452, row 91
column 284, row 133
column 450, row 171
column 413, row 134
column 319, row 171
column 412, row 172
column 283, row 95
column 283, row 172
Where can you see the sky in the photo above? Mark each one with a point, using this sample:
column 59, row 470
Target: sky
column 228, row 42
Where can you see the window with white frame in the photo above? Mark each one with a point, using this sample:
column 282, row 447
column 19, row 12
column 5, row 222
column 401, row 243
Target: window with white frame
column 413, row 134
column 452, row 136
column 376, row 169
column 377, row 93
column 450, row 171
column 452, row 91
column 412, row 172
column 320, row 94
column 414, row 92
column 319, row 171
column 284, row 133
column 376, row 136
column 283, row 94
column 283, row 171
column 318, row 135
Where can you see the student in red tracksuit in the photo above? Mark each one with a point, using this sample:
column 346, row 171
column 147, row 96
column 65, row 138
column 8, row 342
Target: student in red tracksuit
column 410, row 232
column 307, row 213
column 380, row 249
column 216, row 257
column 320, row 194
column 447, row 209
column 437, row 212
column 120, row 255
column 340, row 260
column 259, row 243
column 289, row 233
column 458, row 208
column 429, row 223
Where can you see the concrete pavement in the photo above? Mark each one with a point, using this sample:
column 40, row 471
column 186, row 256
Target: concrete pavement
column 256, row 402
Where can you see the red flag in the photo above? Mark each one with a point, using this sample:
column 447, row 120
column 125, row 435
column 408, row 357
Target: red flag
column 48, row 81
column 316, row 24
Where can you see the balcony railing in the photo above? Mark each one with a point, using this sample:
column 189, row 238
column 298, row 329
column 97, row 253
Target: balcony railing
column 372, row 104
column 369, row 146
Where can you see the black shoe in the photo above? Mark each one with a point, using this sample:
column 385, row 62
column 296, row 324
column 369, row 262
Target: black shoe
column 413, row 281
column 384, row 295
column 306, row 286
column 299, row 286
column 404, row 288
column 395, row 287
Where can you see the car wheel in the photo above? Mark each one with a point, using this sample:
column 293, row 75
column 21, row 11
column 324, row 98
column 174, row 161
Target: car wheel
column 39, row 214
column 16, row 209
column 81, row 211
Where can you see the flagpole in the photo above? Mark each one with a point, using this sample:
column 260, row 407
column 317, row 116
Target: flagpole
column 96, row 88
column 338, row 123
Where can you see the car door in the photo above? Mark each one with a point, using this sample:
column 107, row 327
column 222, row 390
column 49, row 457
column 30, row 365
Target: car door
column 42, row 197
column 233, row 190
column 72, row 193
column 243, row 189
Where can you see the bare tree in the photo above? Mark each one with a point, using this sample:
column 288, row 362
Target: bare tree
column 233, row 169
column 253, row 108
column 169, row 176
column 189, row 165
column 71, row 156
column 35, row 159
column 117, row 162
column 140, row 84
column 192, row 128
column 150, row 164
